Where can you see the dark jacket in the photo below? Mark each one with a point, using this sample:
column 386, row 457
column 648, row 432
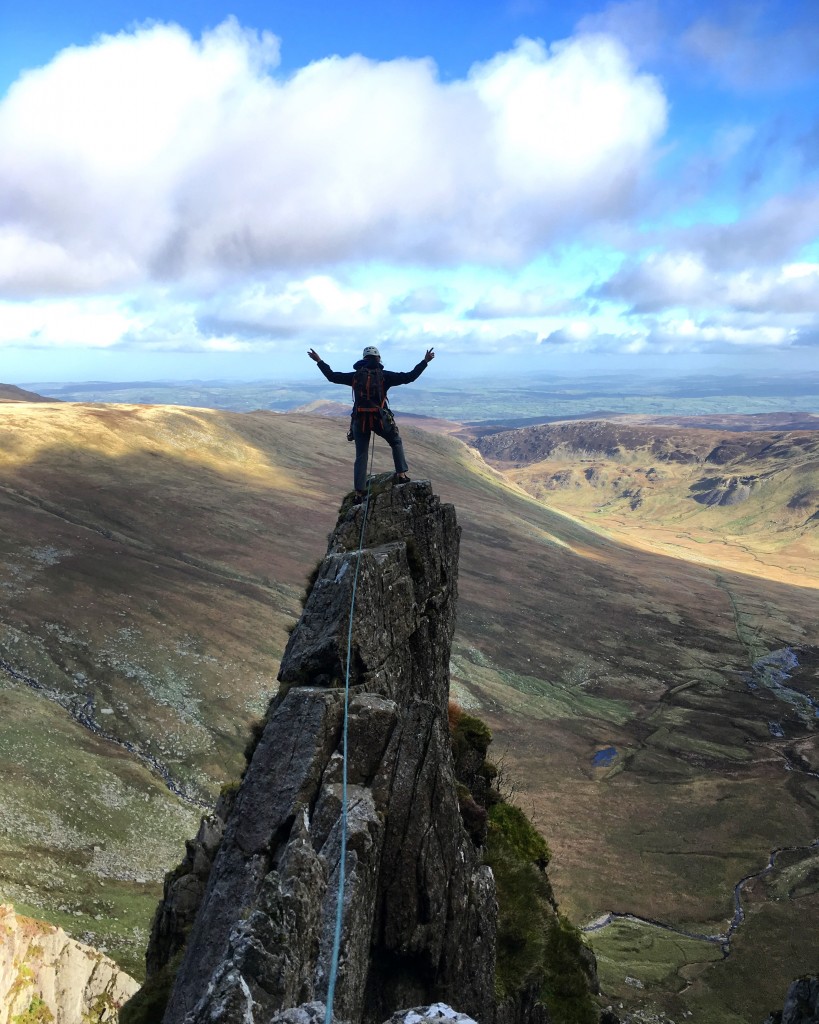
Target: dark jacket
column 391, row 378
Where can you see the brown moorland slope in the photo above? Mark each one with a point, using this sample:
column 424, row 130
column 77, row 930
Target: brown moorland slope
column 11, row 393
column 152, row 560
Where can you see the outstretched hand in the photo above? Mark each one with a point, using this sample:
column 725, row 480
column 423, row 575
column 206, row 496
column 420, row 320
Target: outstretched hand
column 429, row 356
column 314, row 355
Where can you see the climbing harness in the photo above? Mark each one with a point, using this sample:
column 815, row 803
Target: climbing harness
column 331, row 985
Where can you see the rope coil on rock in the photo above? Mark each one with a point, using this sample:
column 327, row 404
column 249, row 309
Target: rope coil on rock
column 331, row 985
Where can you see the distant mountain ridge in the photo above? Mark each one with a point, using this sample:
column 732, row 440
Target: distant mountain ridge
column 663, row 485
column 735, row 421
column 661, row 440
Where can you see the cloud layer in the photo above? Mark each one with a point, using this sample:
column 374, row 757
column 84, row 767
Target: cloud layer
column 154, row 156
column 161, row 193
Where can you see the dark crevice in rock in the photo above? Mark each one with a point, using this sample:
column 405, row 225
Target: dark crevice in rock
column 278, row 842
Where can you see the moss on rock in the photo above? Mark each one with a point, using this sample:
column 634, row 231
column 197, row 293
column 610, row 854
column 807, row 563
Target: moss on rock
column 37, row 1013
column 540, row 953
column 519, row 834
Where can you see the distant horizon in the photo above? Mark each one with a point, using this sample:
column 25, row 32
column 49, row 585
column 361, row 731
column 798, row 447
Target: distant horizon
column 511, row 399
column 809, row 380
column 119, row 367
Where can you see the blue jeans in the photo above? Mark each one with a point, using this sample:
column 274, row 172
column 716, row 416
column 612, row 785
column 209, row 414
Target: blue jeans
column 362, row 447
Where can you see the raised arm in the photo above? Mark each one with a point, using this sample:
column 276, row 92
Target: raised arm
column 391, row 378
column 331, row 375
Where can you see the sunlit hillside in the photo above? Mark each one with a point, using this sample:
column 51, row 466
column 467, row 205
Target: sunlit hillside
column 152, row 559
column 745, row 500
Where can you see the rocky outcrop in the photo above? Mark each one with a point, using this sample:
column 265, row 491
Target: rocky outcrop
column 419, row 906
column 47, row 976
column 805, row 501
column 729, row 490
column 434, row 1014
column 437, row 1013
column 801, row 1004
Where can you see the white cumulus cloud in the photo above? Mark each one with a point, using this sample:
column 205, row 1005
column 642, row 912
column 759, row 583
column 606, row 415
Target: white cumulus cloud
column 501, row 302
column 91, row 322
column 315, row 304
column 684, row 279
column 425, row 299
column 152, row 156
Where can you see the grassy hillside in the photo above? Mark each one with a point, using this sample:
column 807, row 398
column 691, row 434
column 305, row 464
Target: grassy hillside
column 150, row 562
column 152, row 559
column 747, row 500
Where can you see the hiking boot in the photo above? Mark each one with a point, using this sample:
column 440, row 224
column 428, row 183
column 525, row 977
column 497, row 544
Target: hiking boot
column 402, row 478
column 358, row 497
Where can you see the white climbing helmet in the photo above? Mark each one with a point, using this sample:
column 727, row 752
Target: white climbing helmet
column 371, row 350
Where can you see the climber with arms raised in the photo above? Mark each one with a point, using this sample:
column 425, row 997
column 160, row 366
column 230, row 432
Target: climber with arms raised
column 370, row 383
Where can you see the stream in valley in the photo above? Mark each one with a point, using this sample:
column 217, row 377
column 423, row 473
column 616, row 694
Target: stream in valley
column 772, row 672
column 84, row 715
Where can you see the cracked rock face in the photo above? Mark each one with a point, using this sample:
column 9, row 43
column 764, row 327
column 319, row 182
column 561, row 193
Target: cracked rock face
column 419, row 908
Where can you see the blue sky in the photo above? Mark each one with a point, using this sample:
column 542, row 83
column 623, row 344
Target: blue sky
column 198, row 191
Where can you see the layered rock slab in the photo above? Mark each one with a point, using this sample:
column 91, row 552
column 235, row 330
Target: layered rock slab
column 419, row 907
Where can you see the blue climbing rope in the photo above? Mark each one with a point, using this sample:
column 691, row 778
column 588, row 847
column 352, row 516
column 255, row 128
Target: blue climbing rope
column 331, row 986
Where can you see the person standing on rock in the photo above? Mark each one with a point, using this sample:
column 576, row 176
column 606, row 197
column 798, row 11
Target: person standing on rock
column 370, row 383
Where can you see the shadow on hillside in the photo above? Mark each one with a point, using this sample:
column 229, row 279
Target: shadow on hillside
column 537, row 588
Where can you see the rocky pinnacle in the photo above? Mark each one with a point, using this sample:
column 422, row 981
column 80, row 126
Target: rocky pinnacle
column 419, row 907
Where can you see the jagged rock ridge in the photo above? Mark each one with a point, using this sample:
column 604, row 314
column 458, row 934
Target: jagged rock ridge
column 47, row 976
column 420, row 908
